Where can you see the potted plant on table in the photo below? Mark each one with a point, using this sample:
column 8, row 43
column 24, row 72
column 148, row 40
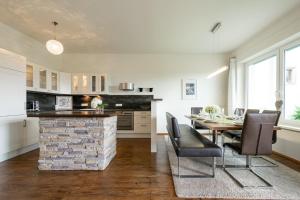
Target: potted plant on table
column 212, row 110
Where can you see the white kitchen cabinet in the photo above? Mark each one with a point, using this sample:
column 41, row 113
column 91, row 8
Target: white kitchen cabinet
column 32, row 77
column 94, row 83
column 12, row 84
column 13, row 90
column 81, row 83
column 12, row 61
column 97, row 84
column 11, row 133
column 142, row 122
column 103, row 84
column 52, row 81
column 12, row 105
column 43, row 80
column 17, row 133
column 65, row 83
column 31, row 131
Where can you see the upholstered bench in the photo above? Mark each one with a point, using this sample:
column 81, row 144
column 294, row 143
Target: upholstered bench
column 187, row 142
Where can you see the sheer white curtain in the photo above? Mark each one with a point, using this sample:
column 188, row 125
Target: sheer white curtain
column 232, row 86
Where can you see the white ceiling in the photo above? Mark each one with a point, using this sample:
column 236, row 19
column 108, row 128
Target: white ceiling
column 144, row 26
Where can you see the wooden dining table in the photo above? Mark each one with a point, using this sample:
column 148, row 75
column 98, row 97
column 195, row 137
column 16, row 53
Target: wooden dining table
column 219, row 126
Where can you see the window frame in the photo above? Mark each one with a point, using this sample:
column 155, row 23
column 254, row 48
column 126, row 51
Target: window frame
column 256, row 60
column 288, row 46
column 280, row 78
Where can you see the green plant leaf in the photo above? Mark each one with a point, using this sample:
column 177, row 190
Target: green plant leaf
column 296, row 115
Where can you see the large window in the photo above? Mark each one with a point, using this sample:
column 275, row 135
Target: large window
column 262, row 77
column 275, row 78
column 292, row 82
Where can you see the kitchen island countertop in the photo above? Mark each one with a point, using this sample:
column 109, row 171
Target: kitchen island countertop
column 83, row 114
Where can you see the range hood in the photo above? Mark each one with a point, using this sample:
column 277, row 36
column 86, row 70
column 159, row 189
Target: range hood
column 126, row 86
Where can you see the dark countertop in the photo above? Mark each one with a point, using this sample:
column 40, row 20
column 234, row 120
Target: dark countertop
column 55, row 114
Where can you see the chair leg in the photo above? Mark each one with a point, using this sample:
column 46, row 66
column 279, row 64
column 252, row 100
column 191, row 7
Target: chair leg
column 213, row 166
column 223, row 158
column 197, row 176
column 271, row 163
column 248, row 161
column 178, row 165
column 223, row 139
column 248, row 167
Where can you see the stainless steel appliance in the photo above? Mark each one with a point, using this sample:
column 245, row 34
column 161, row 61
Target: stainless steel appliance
column 125, row 120
column 33, row 106
column 126, row 86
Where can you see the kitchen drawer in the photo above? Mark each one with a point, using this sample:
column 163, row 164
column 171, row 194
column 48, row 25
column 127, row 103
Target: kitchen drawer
column 142, row 119
column 142, row 113
column 142, row 128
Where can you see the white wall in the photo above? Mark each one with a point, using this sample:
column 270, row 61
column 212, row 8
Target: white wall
column 24, row 45
column 162, row 72
column 285, row 29
column 281, row 31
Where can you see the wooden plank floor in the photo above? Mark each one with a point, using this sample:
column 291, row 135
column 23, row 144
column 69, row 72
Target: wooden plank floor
column 135, row 173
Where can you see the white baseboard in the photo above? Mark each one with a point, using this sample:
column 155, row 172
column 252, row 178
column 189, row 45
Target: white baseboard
column 133, row 135
column 18, row 152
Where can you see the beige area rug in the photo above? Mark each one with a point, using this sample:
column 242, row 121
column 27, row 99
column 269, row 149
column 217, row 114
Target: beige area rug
column 285, row 181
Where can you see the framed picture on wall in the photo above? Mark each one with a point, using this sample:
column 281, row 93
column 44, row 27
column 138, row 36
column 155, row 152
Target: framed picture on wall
column 189, row 89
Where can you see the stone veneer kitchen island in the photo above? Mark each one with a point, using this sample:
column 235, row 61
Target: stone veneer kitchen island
column 76, row 140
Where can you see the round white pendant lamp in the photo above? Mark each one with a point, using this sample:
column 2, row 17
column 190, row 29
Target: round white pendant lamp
column 54, row 46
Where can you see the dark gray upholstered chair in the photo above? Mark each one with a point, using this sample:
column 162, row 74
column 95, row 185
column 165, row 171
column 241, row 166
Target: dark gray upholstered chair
column 187, row 142
column 196, row 111
column 238, row 111
column 256, row 140
column 236, row 134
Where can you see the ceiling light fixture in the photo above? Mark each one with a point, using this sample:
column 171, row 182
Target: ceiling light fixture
column 54, row 46
column 219, row 71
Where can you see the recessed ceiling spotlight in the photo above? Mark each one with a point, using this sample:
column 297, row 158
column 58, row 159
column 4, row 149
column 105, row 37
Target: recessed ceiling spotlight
column 54, row 46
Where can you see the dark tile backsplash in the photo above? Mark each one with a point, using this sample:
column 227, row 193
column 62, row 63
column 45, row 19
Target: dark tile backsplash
column 47, row 101
column 128, row 101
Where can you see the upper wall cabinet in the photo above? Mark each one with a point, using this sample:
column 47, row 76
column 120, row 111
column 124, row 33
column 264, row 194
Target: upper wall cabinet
column 65, row 83
column 83, row 83
column 80, row 83
column 32, row 77
column 53, row 81
column 98, row 83
column 41, row 79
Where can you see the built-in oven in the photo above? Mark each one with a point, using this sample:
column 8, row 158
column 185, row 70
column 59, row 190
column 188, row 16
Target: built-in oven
column 125, row 120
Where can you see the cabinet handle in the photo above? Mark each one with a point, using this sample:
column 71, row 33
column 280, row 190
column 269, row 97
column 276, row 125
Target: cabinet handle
column 24, row 123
